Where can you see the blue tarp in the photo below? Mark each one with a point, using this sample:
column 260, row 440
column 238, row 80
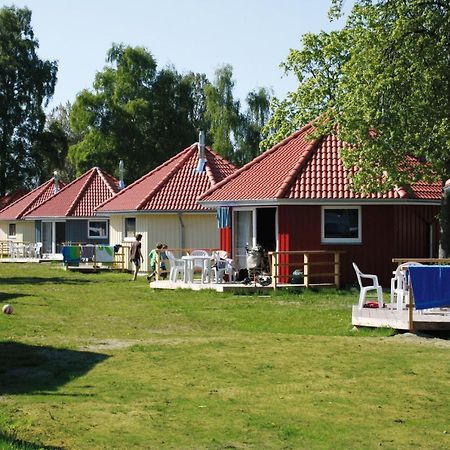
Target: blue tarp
column 430, row 285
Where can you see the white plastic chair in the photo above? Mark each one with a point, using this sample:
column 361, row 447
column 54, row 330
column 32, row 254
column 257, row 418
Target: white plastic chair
column 399, row 285
column 37, row 250
column 223, row 265
column 375, row 286
column 176, row 267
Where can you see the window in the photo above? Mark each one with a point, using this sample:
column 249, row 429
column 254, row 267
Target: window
column 341, row 225
column 130, row 227
column 12, row 230
column 97, row 229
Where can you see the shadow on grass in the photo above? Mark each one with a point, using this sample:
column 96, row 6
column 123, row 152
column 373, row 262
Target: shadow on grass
column 7, row 296
column 42, row 280
column 28, row 368
column 18, row 444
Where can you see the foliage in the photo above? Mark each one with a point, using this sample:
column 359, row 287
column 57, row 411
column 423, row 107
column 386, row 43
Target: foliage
column 318, row 68
column 395, row 93
column 26, row 84
column 135, row 113
column 251, row 124
column 381, row 83
column 235, row 134
column 222, row 112
column 96, row 361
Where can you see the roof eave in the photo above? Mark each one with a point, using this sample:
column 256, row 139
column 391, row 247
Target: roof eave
column 342, row 201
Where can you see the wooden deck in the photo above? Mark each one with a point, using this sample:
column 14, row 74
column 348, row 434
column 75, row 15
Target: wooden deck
column 433, row 319
column 218, row 287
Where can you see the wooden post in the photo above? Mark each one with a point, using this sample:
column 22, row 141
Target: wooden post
column 306, row 270
column 410, row 307
column 158, row 265
column 94, row 258
column 273, row 270
column 337, row 270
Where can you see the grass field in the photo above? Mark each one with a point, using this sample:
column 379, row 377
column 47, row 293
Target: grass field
column 97, row 361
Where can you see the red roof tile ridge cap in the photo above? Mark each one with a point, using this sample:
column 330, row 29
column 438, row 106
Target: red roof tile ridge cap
column 175, row 169
column 208, row 169
column 222, row 159
column 89, row 178
column 304, row 158
column 254, row 161
column 56, row 193
column 402, row 192
column 42, row 187
column 104, row 176
column 144, row 177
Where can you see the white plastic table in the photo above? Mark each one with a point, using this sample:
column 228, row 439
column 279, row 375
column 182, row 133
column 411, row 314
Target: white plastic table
column 189, row 268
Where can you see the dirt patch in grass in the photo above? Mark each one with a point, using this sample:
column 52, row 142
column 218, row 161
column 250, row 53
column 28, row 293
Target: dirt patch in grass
column 119, row 344
column 421, row 339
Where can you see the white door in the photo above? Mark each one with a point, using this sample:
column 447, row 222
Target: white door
column 47, row 237
column 243, row 235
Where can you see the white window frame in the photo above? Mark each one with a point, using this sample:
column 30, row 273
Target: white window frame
column 324, row 240
column 125, row 237
column 12, row 236
column 98, row 221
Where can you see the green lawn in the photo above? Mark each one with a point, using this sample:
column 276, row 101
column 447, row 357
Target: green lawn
column 97, row 361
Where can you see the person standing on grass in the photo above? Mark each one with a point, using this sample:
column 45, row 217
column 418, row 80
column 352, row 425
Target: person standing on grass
column 136, row 255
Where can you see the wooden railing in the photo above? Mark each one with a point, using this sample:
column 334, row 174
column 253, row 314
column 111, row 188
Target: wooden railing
column 328, row 260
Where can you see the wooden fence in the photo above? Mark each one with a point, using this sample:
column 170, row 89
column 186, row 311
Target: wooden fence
column 313, row 264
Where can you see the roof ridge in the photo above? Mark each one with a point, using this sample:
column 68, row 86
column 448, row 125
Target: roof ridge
column 175, row 168
column 61, row 190
column 24, row 197
column 83, row 189
column 144, row 177
column 208, row 170
column 212, row 155
column 301, row 163
column 43, row 187
column 103, row 174
column 256, row 160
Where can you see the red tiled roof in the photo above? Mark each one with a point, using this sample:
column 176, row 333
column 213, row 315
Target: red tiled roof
column 174, row 185
column 12, row 197
column 80, row 197
column 24, row 204
column 303, row 169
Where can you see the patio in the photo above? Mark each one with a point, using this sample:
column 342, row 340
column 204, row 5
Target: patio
column 408, row 308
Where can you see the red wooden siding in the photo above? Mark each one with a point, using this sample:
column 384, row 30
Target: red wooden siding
column 388, row 231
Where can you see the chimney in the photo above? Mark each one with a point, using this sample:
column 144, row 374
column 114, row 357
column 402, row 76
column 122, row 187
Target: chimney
column 201, row 153
column 56, row 182
column 121, row 171
column 201, row 145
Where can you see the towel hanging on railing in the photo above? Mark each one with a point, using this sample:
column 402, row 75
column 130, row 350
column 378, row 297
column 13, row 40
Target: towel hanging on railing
column 223, row 217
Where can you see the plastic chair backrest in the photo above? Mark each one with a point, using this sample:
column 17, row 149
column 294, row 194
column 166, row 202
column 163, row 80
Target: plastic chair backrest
column 198, row 263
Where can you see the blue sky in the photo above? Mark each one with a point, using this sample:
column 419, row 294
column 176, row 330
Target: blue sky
column 254, row 36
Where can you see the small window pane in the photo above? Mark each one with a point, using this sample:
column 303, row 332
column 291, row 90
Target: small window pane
column 12, row 229
column 130, row 227
column 341, row 224
column 98, row 229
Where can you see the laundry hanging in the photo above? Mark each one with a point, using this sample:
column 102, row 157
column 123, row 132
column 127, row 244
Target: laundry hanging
column 223, row 217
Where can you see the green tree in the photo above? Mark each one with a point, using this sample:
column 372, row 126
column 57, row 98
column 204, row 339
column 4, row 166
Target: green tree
column 134, row 113
column 318, row 68
column 251, row 124
column 222, row 112
column 26, row 85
